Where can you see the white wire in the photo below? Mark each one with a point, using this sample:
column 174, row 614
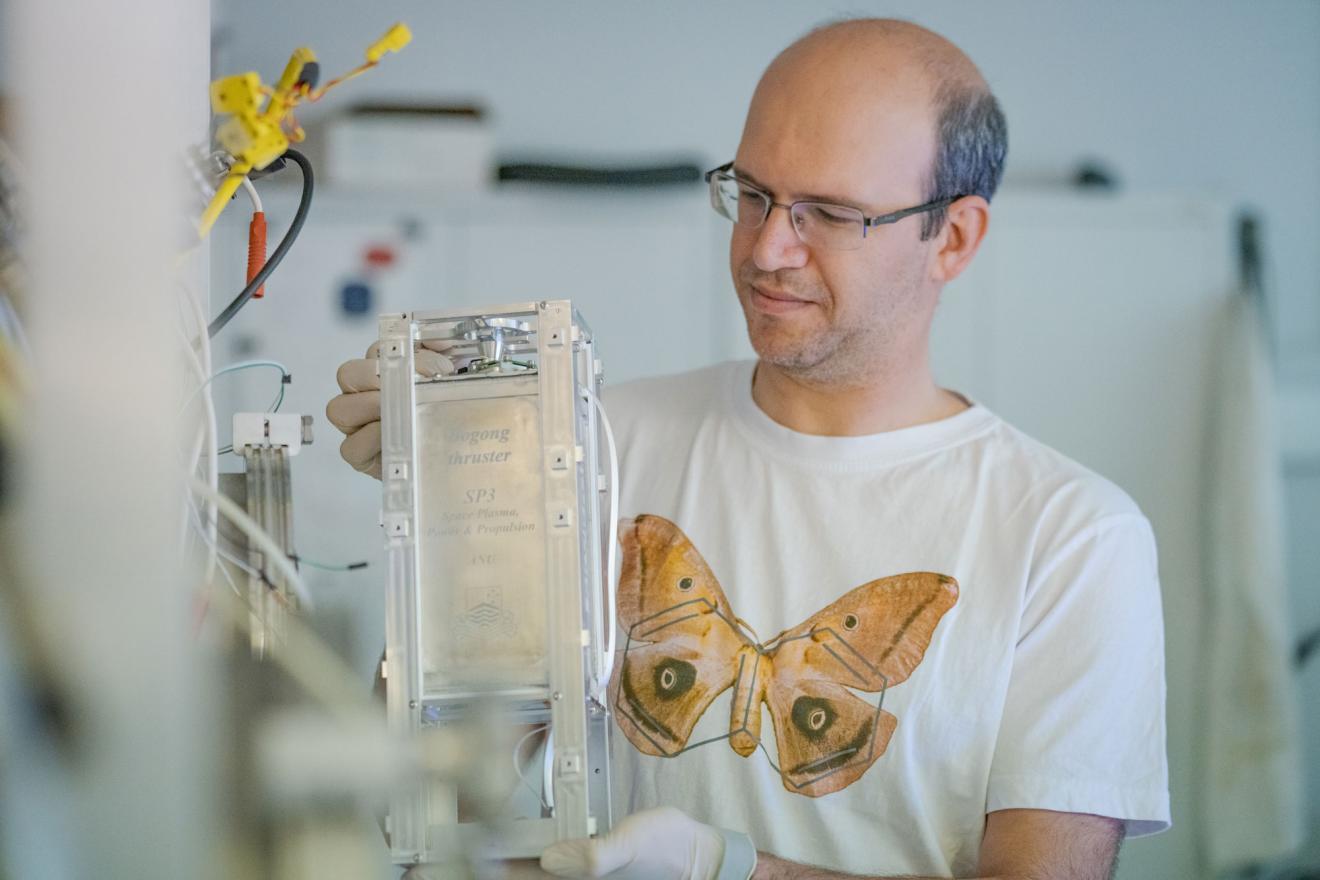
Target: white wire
column 209, row 534
column 517, row 764
column 612, row 565
column 201, row 361
column 257, row 535
column 196, row 356
column 212, row 463
column 196, row 522
column 547, row 769
column 201, row 373
column 224, row 554
column 252, row 194
column 191, row 463
column 319, row 671
column 225, row 572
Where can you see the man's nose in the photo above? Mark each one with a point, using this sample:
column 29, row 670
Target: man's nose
column 777, row 243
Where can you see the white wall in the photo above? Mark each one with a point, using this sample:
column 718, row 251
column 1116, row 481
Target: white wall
column 1215, row 97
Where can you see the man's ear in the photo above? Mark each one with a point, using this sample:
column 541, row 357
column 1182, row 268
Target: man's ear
column 965, row 224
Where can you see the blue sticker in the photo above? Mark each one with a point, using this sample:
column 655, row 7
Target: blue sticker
column 355, row 298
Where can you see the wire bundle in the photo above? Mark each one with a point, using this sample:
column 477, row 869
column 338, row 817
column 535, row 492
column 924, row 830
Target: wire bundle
column 256, row 281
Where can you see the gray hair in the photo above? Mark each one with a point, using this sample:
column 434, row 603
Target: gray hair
column 972, row 140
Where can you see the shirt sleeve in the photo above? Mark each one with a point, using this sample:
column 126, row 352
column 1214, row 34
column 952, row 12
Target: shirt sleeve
column 1083, row 728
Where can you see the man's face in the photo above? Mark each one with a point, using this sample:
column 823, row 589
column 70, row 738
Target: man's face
column 835, row 315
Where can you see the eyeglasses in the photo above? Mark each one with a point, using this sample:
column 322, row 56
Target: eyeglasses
column 819, row 224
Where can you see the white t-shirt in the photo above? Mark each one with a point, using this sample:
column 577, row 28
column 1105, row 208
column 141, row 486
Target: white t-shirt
column 1041, row 684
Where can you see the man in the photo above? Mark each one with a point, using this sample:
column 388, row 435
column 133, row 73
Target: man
column 968, row 679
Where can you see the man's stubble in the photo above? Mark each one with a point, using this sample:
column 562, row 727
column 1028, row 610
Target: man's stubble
column 846, row 349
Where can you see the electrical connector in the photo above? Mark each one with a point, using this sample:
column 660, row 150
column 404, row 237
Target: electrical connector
column 272, row 429
column 395, row 39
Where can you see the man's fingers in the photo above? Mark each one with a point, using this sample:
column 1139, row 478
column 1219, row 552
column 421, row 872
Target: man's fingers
column 429, row 363
column 356, row 412
column 361, row 374
column 361, row 449
column 444, row 346
column 508, row 869
column 348, row 412
column 519, row 869
column 586, row 858
column 568, row 858
column 358, row 375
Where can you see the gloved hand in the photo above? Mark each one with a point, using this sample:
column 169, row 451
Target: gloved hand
column 356, row 412
column 512, row 869
column 660, row 844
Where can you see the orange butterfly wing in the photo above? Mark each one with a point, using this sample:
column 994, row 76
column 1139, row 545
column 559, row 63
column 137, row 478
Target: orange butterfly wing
column 870, row 639
column 680, row 643
column 682, row 649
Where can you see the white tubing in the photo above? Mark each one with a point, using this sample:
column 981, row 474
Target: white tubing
column 238, row 516
column 517, row 763
column 612, row 564
column 202, row 365
column 547, row 769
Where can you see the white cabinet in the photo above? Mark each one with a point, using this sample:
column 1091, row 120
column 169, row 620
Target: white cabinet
column 1088, row 323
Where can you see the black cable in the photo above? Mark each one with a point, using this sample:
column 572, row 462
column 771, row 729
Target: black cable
column 347, row 566
column 299, row 217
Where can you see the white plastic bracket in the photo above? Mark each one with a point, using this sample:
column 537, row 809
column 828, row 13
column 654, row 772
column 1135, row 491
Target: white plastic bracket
column 272, row 429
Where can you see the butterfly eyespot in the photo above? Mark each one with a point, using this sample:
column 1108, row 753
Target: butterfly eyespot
column 850, row 622
column 685, row 583
column 672, row 678
column 813, row 717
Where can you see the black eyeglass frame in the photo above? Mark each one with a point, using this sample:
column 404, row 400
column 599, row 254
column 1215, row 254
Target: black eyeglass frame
column 867, row 222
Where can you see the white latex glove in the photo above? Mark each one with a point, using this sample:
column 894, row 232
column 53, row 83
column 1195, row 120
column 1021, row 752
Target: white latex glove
column 660, row 844
column 356, row 412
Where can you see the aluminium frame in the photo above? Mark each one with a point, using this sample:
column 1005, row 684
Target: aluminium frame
column 422, row 822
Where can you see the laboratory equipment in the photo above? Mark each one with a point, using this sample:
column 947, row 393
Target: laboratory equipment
column 496, row 598
column 261, row 123
column 266, row 442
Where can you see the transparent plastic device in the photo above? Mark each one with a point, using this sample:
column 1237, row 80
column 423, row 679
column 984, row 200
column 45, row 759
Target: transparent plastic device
column 495, row 593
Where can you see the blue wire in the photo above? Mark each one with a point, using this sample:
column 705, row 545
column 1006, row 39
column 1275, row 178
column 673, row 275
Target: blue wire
column 326, row 566
column 246, row 365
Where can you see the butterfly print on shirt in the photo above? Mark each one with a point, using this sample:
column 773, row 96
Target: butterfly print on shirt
column 684, row 647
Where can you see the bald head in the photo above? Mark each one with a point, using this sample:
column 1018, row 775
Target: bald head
column 900, row 48
column 854, row 82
